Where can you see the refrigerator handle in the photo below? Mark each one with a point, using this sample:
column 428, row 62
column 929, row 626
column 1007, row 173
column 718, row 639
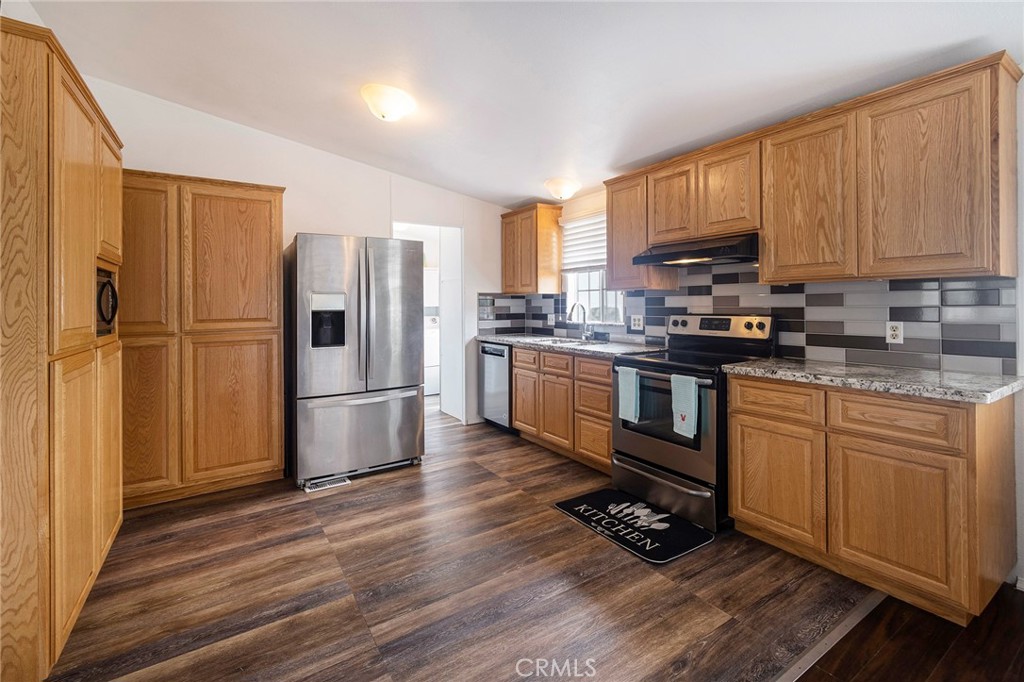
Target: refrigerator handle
column 371, row 304
column 362, row 318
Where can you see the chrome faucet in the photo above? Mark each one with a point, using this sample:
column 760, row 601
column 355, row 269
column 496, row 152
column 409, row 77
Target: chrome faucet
column 587, row 333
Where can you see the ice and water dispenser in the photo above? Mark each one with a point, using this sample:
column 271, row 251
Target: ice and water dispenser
column 327, row 320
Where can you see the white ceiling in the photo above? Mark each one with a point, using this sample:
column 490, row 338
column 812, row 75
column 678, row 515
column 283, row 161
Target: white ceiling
column 513, row 93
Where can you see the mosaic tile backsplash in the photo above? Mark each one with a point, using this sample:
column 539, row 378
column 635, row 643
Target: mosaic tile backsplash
column 951, row 324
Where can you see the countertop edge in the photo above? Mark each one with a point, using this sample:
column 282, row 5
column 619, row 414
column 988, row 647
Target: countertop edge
column 896, row 387
column 594, row 351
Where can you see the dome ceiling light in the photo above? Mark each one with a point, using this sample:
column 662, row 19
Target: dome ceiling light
column 562, row 188
column 386, row 102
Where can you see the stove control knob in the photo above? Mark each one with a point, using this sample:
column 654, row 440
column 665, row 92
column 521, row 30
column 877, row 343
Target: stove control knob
column 675, row 323
column 760, row 326
column 683, row 323
column 748, row 325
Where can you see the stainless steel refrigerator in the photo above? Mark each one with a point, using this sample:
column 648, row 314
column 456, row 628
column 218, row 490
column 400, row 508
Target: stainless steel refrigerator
column 354, row 342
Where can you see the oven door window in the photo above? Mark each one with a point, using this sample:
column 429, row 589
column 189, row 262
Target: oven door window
column 656, row 413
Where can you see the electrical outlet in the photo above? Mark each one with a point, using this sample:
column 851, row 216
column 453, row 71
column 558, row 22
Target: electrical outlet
column 636, row 322
column 551, row 320
column 894, row 332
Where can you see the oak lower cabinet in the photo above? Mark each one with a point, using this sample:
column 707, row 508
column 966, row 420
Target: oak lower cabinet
column 231, row 393
column 109, row 442
column 912, row 496
column 556, row 413
column 526, row 400
column 594, row 439
column 152, row 409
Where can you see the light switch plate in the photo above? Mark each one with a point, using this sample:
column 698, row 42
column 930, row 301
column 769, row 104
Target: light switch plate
column 551, row 320
column 894, row 332
column 636, row 322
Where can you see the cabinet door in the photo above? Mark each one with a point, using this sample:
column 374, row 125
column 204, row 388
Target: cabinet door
column 730, row 191
column 232, row 405
column 900, row 512
column 149, row 277
column 556, row 413
column 672, row 204
column 108, row 444
column 526, row 228
column 525, row 401
column 73, row 484
column 594, row 438
column 152, row 403
column 925, row 180
column 810, row 202
column 509, row 255
column 75, row 215
column 627, row 237
column 231, row 257
column 777, row 478
column 109, row 233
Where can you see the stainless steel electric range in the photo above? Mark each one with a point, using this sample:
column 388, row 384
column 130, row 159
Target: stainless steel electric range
column 686, row 476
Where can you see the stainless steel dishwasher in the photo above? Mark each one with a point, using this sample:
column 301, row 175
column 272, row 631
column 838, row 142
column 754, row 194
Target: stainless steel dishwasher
column 495, row 373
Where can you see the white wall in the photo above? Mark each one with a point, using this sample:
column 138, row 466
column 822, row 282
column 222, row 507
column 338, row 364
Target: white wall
column 325, row 193
column 21, row 10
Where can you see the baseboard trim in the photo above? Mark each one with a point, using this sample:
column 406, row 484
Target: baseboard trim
column 831, row 638
column 1020, row 583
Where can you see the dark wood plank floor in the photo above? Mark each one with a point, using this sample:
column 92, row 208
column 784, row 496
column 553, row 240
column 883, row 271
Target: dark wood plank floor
column 454, row 570
column 900, row 642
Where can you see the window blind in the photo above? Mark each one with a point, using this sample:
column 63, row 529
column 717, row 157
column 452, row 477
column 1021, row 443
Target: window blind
column 583, row 243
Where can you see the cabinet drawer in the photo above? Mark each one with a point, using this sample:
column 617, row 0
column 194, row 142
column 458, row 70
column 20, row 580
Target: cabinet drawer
column 791, row 401
column 556, row 363
column 525, row 359
column 597, row 371
column 593, row 437
column 594, row 400
column 908, row 421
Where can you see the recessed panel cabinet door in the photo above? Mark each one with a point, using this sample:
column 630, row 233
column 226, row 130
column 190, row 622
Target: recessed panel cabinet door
column 108, row 443
column 925, row 180
column 526, row 230
column 777, row 478
column 526, row 401
column 900, row 512
column 729, row 183
column 75, row 215
column 149, row 277
column 73, row 484
column 109, row 234
column 152, row 399
column 232, row 405
column 509, row 255
column 672, row 204
column 810, row 202
column 231, row 258
column 556, row 413
column 627, row 233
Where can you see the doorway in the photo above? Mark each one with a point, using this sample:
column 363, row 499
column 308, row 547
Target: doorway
column 442, row 312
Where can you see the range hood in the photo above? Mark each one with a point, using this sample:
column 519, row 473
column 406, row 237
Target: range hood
column 742, row 249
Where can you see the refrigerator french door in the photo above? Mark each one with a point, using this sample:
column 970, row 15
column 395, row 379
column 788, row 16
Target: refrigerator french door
column 357, row 324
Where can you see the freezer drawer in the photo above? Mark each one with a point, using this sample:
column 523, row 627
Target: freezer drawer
column 343, row 434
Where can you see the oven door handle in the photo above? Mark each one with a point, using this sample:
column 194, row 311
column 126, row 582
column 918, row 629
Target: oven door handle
column 665, row 377
column 694, row 493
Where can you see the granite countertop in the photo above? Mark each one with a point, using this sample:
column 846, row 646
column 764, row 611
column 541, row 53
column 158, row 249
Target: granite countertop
column 923, row 383
column 598, row 349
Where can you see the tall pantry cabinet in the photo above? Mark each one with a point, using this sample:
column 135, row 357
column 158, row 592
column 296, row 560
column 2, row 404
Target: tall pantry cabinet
column 60, row 413
column 201, row 321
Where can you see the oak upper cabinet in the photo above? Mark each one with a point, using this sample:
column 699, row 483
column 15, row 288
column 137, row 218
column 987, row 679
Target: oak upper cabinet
column 76, row 210
column 672, row 204
column 73, row 488
column 108, row 443
column 627, row 237
column 231, row 392
column 149, row 277
column 109, row 236
column 231, row 257
column 526, row 400
column 810, row 202
column 151, row 414
column 901, row 512
column 729, row 186
column 531, row 250
column 556, row 410
column 925, row 179
column 777, row 478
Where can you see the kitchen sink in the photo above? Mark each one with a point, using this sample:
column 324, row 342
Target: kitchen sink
column 566, row 342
